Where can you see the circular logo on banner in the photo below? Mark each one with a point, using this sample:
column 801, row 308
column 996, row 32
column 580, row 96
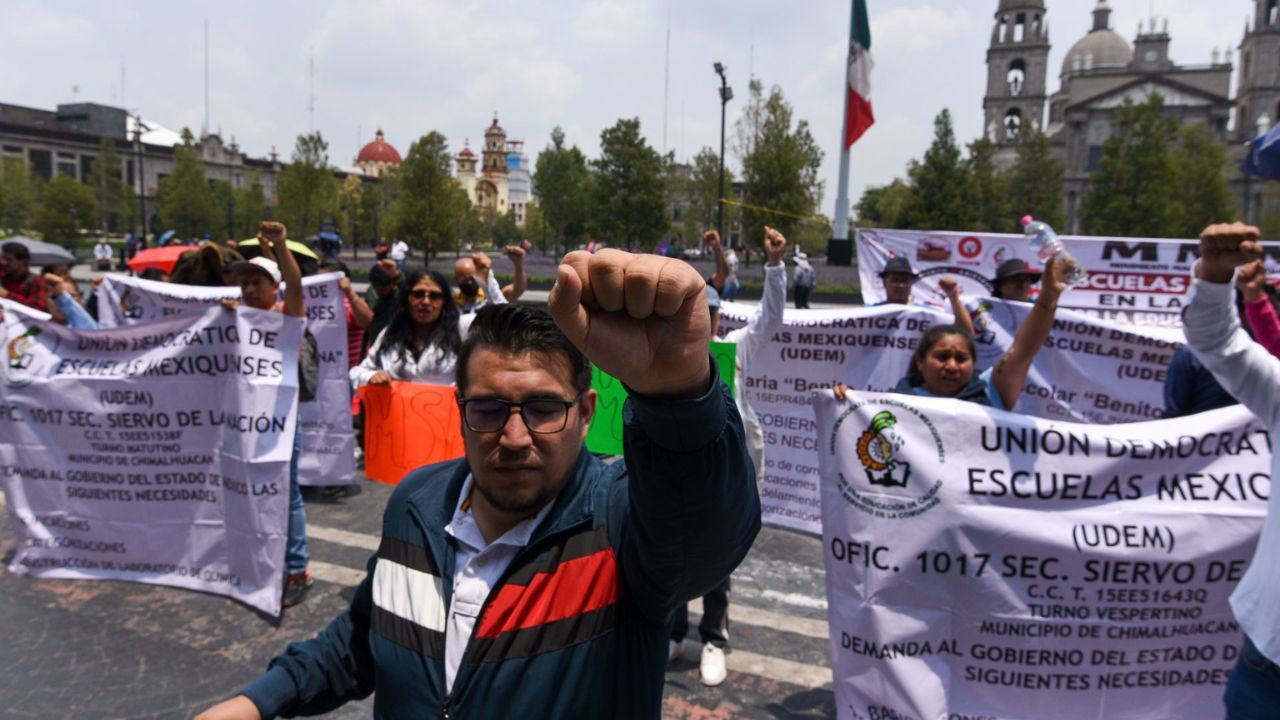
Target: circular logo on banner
column 887, row 484
column 969, row 247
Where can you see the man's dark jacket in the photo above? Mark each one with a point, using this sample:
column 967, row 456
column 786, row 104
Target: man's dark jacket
column 578, row 625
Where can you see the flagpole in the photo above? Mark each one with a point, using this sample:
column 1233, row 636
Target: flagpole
column 840, row 230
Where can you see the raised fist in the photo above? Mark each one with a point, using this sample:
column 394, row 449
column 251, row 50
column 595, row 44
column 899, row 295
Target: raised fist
column 641, row 318
column 515, row 254
column 774, row 243
column 1225, row 246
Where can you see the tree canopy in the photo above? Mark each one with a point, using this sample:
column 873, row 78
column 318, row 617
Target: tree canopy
column 630, row 190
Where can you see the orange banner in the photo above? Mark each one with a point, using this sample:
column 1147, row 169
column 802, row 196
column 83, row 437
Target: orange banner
column 408, row 425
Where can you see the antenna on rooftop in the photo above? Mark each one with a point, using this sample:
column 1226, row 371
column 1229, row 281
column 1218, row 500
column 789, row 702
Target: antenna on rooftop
column 311, row 93
column 205, row 130
column 666, row 85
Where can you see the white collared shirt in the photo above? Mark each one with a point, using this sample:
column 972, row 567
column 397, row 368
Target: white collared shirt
column 476, row 570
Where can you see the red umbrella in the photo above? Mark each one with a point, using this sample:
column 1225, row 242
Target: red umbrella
column 162, row 257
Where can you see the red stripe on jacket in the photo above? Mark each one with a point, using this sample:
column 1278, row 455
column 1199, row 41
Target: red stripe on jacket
column 577, row 587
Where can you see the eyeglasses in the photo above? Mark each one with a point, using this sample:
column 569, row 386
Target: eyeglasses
column 422, row 294
column 542, row 416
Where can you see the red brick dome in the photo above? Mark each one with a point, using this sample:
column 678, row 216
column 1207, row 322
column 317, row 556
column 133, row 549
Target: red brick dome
column 378, row 151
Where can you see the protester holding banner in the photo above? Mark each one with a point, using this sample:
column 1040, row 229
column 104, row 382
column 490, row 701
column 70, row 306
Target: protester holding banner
column 943, row 363
column 359, row 314
column 578, row 564
column 421, row 341
column 1250, row 373
column 714, row 627
column 77, row 318
column 259, row 286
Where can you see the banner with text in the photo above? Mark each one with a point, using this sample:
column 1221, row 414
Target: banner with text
column 156, row 453
column 409, row 425
column 328, row 446
column 1136, row 281
column 987, row 564
column 1089, row 370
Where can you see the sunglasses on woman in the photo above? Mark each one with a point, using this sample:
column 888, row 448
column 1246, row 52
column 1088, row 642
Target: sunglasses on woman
column 422, row 294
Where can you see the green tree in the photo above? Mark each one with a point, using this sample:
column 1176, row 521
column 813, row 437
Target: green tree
column 884, row 206
column 307, row 190
column 224, row 199
column 117, row 207
column 373, row 207
column 941, row 184
column 630, row 193
column 184, row 200
column 1134, row 193
column 429, row 210
column 1034, row 183
column 562, row 184
column 780, row 168
column 350, row 197
column 1201, row 163
column 702, row 190
column 990, row 189
column 536, row 227
column 66, row 208
column 250, row 206
column 19, row 190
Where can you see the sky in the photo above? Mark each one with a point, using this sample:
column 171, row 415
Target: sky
column 413, row 66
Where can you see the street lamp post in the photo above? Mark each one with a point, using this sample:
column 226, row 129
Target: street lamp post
column 726, row 94
column 142, row 181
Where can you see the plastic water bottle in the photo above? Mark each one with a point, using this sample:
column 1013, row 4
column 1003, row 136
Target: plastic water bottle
column 1045, row 244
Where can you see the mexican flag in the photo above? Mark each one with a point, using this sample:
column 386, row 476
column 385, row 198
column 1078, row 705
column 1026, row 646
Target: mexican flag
column 858, row 115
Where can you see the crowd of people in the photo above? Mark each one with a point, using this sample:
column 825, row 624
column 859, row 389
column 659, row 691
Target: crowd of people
column 527, row 498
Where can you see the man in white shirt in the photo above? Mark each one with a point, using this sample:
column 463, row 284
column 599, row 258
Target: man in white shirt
column 102, row 252
column 1252, row 375
column 399, row 251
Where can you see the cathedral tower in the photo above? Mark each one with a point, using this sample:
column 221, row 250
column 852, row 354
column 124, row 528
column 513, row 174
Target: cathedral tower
column 1258, row 86
column 1017, row 66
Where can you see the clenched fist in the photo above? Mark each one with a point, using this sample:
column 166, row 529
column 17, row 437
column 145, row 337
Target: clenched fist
column 641, row 318
column 1223, row 247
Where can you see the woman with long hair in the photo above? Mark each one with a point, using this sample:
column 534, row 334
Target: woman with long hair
column 421, row 341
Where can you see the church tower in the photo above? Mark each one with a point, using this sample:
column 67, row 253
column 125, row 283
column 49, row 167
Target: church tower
column 495, row 149
column 1258, row 86
column 1017, row 66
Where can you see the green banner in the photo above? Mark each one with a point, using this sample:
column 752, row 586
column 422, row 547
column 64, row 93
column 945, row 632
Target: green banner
column 605, row 435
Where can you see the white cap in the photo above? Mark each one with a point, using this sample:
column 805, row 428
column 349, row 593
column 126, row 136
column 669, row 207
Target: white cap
column 259, row 264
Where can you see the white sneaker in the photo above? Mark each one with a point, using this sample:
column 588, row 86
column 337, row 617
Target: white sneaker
column 675, row 651
column 712, row 666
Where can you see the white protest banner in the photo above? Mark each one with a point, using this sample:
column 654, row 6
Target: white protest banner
column 1090, row 370
column 156, row 453
column 1137, row 281
column 987, row 564
column 328, row 446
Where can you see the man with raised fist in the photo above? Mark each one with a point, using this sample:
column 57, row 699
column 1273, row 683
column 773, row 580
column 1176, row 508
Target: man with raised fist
column 1252, row 375
column 528, row 577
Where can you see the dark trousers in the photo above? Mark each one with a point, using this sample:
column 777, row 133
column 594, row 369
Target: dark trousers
column 714, row 627
column 1253, row 691
column 802, row 297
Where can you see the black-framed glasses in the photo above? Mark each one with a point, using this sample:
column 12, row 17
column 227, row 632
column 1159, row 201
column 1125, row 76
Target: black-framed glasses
column 423, row 294
column 541, row 415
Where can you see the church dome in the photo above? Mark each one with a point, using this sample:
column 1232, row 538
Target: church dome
column 1101, row 48
column 378, row 151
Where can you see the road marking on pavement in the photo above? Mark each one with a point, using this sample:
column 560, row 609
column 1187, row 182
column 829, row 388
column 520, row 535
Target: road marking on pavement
column 738, row 612
column 337, row 574
column 783, row 671
column 747, row 615
column 343, row 537
column 798, row 599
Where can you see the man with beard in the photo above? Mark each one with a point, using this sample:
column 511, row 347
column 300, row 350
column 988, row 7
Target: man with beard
column 529, row 576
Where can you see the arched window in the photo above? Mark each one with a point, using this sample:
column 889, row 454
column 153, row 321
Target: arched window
column 1016, row 76
column 1020, row 28
column 1004, row 29
column 1012, row 123
column 1272, row 12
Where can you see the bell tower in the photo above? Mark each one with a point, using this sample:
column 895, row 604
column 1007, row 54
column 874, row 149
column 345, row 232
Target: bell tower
column 1017, row 66
column 1258, row 84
